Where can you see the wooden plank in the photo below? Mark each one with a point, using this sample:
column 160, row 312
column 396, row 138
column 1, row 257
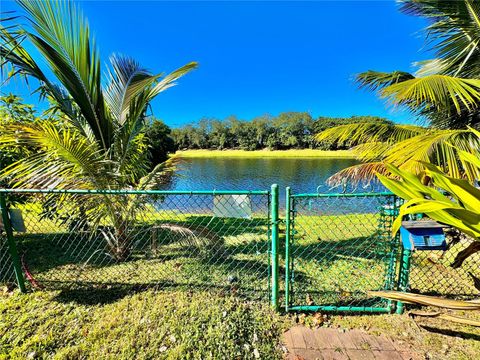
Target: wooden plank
column 408, row 355
column 287, row 339
column 354, row 354
column 385, row 343
column 329, row 354
column 359, row 340
column 373, row 343
column 297, row 337
column 308, row 354
column 328, row 338
column 347, row 340
column 309, row 338
column 387, row 355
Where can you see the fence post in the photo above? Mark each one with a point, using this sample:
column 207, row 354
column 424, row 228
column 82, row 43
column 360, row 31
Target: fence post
column 403, row 276
column 287, row 247
column 11, row 244
column 274, row 244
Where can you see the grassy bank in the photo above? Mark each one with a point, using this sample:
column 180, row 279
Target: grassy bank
column 297, row 153
column 107, row 324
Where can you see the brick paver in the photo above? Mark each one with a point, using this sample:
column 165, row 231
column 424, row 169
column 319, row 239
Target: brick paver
column 331, row 344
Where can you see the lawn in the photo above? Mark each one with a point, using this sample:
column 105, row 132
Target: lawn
column 171, row 300
column 295, row 153
column 110, row 324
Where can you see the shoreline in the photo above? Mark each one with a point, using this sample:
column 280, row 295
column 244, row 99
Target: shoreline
column 295, row 153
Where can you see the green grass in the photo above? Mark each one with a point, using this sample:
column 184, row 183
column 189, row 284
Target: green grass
column 104, row 309
column 110, row 324
column 295, row 153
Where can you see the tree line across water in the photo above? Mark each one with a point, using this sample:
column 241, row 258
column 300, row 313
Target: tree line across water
column 288, row 130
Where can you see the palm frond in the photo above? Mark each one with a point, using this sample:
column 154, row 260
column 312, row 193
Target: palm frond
column 441, row 92
column 16, row 60
column 160, row 173
column 63, row 159
column 376, row 80
column 169, row 80
column 453, row 32
column 199, row 237
column 426, row 300
column 362, row 173
column 369, row 132
column 61, row 34
column 127, row 79
column 440, row 147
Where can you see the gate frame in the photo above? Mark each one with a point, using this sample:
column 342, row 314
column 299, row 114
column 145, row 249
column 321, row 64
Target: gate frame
column 289, row 236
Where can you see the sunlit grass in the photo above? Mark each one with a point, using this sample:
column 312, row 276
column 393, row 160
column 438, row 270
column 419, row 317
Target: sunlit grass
column 110, row 324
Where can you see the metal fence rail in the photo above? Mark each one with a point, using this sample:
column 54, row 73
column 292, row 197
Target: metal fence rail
column 339, row 246
column 211, row 240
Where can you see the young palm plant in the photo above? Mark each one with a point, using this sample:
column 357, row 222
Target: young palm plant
column 445, row 91
column 94, row 138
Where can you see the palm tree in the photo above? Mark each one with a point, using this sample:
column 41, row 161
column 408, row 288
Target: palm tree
column 445, row 91
column 94, row 138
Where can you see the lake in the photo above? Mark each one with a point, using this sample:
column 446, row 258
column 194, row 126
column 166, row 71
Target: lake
column 301, row 174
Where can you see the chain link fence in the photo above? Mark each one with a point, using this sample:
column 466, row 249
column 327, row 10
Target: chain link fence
column 169, row 240
column 340, row 247
column 337, row 247
column 454, row 272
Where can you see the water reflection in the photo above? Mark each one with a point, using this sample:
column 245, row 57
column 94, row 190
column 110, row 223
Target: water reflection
column 301, row 174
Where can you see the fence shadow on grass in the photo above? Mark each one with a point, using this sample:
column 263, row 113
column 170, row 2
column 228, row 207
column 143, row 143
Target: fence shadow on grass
column 453, row 333
column 101, row 293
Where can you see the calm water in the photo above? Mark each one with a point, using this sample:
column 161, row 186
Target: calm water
column 307, row 175
column 302, row 175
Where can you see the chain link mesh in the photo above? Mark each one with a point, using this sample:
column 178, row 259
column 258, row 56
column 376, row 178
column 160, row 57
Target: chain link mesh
column 7, row 274
column 436, row 272
column 169, row 240
column 341, row 247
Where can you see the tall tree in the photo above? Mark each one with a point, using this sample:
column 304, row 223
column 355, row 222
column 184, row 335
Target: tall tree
column 159, row 141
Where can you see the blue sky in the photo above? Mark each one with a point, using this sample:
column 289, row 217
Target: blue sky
column 260, row 57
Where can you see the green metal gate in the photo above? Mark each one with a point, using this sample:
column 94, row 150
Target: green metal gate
column 338, row 247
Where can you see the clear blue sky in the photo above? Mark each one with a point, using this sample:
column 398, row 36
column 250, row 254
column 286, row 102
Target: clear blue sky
column 261, row 57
